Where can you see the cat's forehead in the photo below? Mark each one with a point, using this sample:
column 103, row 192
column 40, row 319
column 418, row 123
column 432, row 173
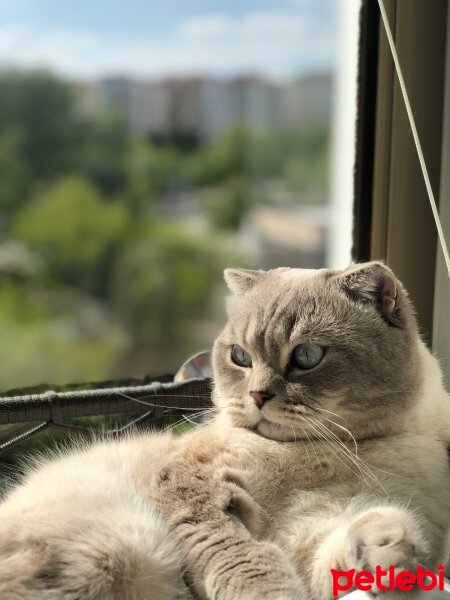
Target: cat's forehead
column 299, row 276
column 285, row 303
column 286, row 287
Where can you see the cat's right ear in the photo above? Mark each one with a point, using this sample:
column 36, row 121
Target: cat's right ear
column 240, row 281
column 373, row 283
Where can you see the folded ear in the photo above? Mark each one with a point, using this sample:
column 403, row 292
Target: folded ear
column 373, row 283
column 240, row 281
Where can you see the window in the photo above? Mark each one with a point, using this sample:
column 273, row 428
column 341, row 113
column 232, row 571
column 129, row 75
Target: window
column 145, row 147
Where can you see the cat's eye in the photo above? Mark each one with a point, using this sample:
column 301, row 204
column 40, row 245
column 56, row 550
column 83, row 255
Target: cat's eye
column 307, row 356
column 241, row 357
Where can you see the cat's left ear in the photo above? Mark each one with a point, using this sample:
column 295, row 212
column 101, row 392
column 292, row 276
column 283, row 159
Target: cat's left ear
column 240, row 281
column 374, row 283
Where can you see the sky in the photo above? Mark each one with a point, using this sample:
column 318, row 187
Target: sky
column 85, row 39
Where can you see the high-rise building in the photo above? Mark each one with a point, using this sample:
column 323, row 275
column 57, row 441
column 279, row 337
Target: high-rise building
column 307, row 99
column 203, row 107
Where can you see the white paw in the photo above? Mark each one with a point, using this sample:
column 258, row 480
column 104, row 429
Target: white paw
column 386, row 536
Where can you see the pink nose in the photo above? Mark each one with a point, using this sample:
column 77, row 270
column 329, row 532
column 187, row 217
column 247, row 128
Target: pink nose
column 260, row 398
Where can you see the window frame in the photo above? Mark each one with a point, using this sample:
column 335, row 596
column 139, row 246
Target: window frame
column 441, row 328
column 393, row 219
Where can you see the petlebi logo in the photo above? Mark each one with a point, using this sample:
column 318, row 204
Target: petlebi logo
column 390, row 579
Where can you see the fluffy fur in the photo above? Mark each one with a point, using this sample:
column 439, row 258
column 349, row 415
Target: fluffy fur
column 344, row 466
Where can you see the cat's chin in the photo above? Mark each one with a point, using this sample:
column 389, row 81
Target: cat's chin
column 275, row 431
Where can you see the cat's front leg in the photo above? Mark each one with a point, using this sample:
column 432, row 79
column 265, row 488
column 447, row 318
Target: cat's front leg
column 214, row 521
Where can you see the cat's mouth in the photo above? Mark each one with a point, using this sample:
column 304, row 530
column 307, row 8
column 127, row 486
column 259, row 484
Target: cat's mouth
column 276, row 431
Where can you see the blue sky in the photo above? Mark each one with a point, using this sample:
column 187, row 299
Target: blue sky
column 89, row 38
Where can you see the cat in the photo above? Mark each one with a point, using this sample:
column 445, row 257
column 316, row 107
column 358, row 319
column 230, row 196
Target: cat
column 328, row 451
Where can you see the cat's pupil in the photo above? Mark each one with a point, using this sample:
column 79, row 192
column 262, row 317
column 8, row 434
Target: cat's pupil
column 307, row 356
column 240, row 356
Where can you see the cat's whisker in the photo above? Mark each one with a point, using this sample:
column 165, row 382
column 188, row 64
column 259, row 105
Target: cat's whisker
column 350, row 434
column 305, row 445
column 172, row 395
column 356, row 446
column 357, row 461
column 342, row 457
column 162, row 406
column 346, row 461
column 353, row 438
column 294, row 434
column 326, row 458
column 170, row 426
column 336, row 452
column 320, row 436
column 328, row 411
column 313, row 444
column 353, row 458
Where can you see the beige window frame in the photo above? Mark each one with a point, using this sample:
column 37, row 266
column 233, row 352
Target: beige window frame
column 441, row 322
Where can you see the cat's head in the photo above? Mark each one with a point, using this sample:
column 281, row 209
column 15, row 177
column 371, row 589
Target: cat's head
column 305, row 348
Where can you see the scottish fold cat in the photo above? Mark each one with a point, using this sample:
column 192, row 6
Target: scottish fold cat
column 328, row 450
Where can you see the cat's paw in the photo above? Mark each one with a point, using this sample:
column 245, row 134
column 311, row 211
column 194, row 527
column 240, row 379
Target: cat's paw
column 386, row 536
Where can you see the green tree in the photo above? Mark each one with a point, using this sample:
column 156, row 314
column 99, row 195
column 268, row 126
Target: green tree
column 75, row 231
column 39, row 108
column 164, row 282
column 13, row 174
column 103, row 146
column 307, row 165
column 307, row 176
column 226, row 205
column 267, row 153
column 225, row 157
column 151, row 171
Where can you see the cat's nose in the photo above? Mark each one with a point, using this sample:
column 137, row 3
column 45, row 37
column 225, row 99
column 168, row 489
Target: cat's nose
column 261, row 397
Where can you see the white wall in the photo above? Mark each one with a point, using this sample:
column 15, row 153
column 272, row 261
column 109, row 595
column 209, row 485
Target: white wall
column 343, row 136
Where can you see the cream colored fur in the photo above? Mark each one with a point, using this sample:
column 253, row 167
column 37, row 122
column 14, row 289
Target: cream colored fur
column 83, row 513
column 320, row 506
column 90, row 525
column 225, row 513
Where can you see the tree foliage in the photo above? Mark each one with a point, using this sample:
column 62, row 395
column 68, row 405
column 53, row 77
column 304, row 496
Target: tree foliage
column 226, row 205
column 74, row 230
column 118, row 287
column 165, row 292
column 38, row 109
column 224, row 157
column 151, row 171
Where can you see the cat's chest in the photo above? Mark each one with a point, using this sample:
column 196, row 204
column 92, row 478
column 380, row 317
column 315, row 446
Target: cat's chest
column 397, row 467
column 276, row 469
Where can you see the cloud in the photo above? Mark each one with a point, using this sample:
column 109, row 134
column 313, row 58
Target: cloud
column 24, row 45
column 273, row 24
column 252, row 24
column 273, row 43
column 211, row 26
